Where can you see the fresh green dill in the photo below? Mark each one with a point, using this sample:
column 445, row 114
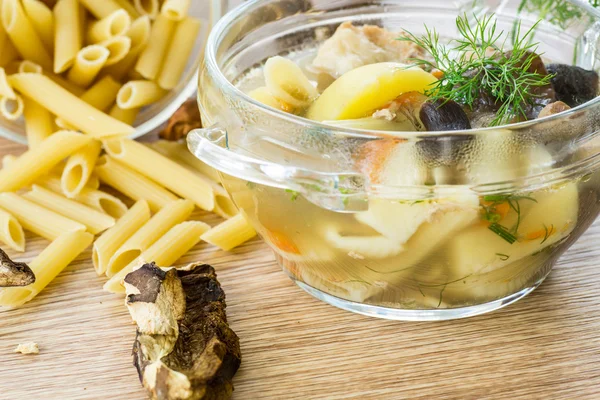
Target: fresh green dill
column 503, row 257
column 503, row 233
column 294, row 194
column 250, row 185
column 417, row 202
column 477, row 63
column 490, row 214
column 441, row 296
column 560, row 13
column 547, row 232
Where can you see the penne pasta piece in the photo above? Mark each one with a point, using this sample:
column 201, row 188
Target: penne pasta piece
column 139, row 33
column 118, row 48
column 38, row 219
column 180, row 153
column 95, row 221
column 126, row 116
column 26, row 67
column 38, row 122
column 8, row 52
column 42, row 20
column 39, row 160
column 130, row 8
column 11, row 232
column 162, row 170
column 46, row 266
column 147, row 7
column 110, row 241
column 88, row 63
column 70, row 108
column 151, row 59
column 93, row 182
column 153, row 230
column 79, row 168
column 175, row 9
column 67, row 34
column 101, row 8
column 65, row 84
column 8, row 159
column 116, row 24
column 133, row 184
column 97, row 199
column 102, row 94
column 22, row 34
column 230, row 233
column 5, row 89
column 164, row 252
column 11, row 109
column 136, row 94
column 178, row 55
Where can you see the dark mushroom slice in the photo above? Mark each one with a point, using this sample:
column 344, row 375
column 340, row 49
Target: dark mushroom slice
column 14, row 273
column 443, row 115
column 184, row 348
column 573, row 85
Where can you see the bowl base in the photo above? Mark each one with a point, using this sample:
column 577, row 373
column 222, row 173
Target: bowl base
column 416, row 315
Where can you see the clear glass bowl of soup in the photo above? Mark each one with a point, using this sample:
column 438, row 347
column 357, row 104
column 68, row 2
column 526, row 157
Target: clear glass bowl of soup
column 399, row 223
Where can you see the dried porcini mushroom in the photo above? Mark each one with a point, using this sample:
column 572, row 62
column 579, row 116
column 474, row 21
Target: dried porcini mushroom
column 185, row 119
column 573, row 85
column 443, row 115
column 14, row 273
column 184, row 348
column 553, row 108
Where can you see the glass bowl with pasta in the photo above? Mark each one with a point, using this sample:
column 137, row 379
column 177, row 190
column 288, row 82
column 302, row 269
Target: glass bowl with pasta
column 411, row 160
column 97, row 62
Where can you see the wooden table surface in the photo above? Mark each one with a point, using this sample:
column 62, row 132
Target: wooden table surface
column 295, row 347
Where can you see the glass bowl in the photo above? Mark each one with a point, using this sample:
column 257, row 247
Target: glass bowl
column 153, row 116
column 403, row 225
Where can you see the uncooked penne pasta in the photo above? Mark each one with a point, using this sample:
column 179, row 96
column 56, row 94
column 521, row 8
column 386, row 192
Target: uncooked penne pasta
column 38, row 219
column 164, row 252
column 88, row 63
column 65, row 84
column 79, row 168
column 116, row 24
column 139, row 33
column 101, row 8
column 110, row 241
column 136, row 94
column 46, row 266
column 42, row 20
column 178, row 55
column 102, row 94
column 153, row 230
column 151, row 59
column 230, row 233
column 11, row 109
column 27, row 66
column 133, row 184
column 38, row 122
column 97, row 199
column 175, row 9
column 22, row 34
column 118, row 47
column 162, row 170
column 40, row 160
column 126, row 116
column 70, row 108
column 11, row 232
column 130, row 8
column 179, row 152
column 150, row 8
column 8, row 52
column 67, row 34
column 95, row 221
column 5, row 89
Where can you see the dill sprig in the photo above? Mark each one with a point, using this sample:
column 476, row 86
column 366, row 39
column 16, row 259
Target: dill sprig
column 491, row 202
column 558, row 12
column 477, row 64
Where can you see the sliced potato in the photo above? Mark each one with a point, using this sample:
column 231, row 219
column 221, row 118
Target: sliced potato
column 263, row 95
column 286, row 82
column 552, row 218
column 375, row 247
column 360, row 92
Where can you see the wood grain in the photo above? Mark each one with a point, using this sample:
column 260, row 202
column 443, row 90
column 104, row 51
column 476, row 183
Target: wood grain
column 295, row 347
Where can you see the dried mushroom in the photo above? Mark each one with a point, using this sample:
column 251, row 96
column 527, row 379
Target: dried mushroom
column 185, row 119
column 14, row 273
column 184, row 348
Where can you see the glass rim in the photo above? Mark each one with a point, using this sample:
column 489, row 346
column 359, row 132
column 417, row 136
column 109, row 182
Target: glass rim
column 222, row 28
